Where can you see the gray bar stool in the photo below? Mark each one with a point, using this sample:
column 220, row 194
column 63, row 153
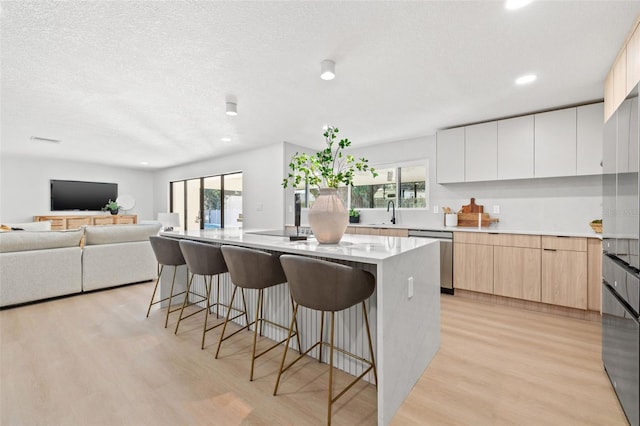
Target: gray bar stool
column 205, row 260
column 168, row 253
column 258, row 270
column 327, row 287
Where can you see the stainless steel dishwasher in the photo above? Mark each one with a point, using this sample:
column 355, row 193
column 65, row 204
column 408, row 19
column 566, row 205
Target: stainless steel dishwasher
column 446, row 255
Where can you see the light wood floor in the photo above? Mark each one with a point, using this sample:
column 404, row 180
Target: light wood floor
column 94, row 359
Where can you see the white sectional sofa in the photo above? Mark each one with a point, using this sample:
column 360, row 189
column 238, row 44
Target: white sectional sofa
column 116, row 255
column 36, row 265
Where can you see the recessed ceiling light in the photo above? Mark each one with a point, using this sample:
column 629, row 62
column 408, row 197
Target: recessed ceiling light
column 144, row 163
column 232, row 108
column 516, row 4
column 526, row 79
column 225, row 139
column 327, row 69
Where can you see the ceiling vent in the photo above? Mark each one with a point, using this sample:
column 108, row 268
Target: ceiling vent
column 39, row 139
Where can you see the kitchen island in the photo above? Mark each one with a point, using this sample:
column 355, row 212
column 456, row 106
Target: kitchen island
column 404, row 310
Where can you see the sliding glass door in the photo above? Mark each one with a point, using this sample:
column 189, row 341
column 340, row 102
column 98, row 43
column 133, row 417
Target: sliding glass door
column 208, row 202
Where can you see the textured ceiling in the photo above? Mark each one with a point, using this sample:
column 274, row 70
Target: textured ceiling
column 125, row 82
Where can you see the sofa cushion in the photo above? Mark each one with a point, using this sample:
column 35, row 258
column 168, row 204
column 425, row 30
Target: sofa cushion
column 112, row 234
column 39, row 240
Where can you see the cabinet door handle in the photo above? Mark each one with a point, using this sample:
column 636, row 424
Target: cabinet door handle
column 549, row 249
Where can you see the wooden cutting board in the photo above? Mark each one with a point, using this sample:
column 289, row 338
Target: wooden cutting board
column 472, row 207
column 471, row 219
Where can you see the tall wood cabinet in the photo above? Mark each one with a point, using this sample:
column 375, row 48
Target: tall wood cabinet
column 61, row 222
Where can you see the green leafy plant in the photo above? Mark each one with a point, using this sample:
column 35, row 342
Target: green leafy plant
column 111, row 206
column 354, row 213
column 328, row 168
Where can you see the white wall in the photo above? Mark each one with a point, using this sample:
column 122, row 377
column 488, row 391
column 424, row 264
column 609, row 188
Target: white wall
column 262, row 193
column 551, row 205
column 25, row 190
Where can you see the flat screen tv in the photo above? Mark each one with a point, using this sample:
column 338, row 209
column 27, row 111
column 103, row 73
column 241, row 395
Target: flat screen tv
column 77, row 195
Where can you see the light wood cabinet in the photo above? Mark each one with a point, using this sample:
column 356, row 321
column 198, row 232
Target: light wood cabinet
column 385, row 232
column 515, row 148
column 62, row 222
column 624, row 74
column 594, row 274
column 561, row 271
column 633, row 60
column 473, row 267
column 450, row 155
column 481, row 152
column 589, row 130
column 620, row 78
column 564, row 271
column 564, row 278
column 517, row 272
column 555, row 143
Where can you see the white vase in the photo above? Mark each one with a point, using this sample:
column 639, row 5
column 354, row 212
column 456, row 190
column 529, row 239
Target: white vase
column 328, row 217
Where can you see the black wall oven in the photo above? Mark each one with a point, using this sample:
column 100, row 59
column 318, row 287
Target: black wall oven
column 620, row 261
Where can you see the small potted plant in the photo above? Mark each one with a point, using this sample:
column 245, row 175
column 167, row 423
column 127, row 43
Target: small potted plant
column 112, row 207
column 354, row 216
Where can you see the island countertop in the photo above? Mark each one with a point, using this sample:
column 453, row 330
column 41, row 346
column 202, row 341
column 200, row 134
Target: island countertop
column 359, row 248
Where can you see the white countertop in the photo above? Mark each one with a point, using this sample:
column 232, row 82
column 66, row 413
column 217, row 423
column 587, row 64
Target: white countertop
column 358, row 248
column 494, row 228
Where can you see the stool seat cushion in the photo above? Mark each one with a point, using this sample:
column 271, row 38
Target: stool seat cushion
column 167, row 251
column 203, row 259
column 253, row 268
column 326, row 286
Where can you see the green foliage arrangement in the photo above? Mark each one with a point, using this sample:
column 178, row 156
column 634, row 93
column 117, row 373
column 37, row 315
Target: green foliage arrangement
column 111, row 206
column 353, row 212
column 328, row 168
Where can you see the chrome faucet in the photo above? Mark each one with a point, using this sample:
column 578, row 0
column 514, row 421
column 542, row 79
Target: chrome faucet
column 393, row 212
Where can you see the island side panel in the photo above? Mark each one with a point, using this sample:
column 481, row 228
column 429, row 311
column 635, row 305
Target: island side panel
column 408, row 334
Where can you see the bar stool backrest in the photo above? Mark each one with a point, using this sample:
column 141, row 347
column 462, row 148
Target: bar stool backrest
column 203, row 259
column 326, row 286
column 167, row 251
column 253, row 268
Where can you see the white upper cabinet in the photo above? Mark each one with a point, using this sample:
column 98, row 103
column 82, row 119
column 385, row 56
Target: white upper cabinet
column 450, row 155
column 515, row 148
column 565, row 142
column 590, row 127
column 481, row 152
column 555, row 143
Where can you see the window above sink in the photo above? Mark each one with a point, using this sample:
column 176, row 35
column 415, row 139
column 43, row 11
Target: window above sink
column 406, row 184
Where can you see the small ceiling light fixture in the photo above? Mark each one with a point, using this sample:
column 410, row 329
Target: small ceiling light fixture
column 526, row 79
column 232, row 108
column 516, row 4
column 327, row 69
column 144, row 163
column 225, row 139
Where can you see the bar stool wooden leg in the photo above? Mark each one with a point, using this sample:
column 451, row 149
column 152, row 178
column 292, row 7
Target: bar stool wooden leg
column 330, row 402
column 184, row 303
column 373, row 357
column 155, row 288
column 173, row 282
column 206, row 313
column 226, row 320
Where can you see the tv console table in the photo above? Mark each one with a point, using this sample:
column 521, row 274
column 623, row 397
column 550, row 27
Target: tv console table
column 61, row 222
